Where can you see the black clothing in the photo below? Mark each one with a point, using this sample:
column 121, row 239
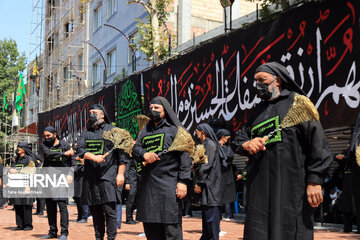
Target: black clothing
column 99, row 182
column 23, row 216
column 209, row 176
column 277, row 206
column 130, row 178
column 157, row 231
column 228, row 179
column 156, row 199
column 210, row 222
column 100, row 213
column 40, row 205
column 170, row 114
column 54, row 155
column 207, row 129
column 51, row 208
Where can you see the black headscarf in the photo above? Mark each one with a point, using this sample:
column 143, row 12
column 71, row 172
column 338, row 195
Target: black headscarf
column 222, row 132
column 170, row 114
column 25, row 146
column 52, row 130
column 355, row 137
column 277, row 69
column 211, row 134
column 101, row 107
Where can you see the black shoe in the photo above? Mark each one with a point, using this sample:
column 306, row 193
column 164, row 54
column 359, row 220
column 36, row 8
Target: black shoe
column 82, row 221
column 17, row 229
column 48, row 236
column 28, row 228
column 131, row 221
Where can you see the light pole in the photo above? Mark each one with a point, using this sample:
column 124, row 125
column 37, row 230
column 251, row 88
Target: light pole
column 102, row 57
column 225, row 4
column 159, row 17
column 132, row 49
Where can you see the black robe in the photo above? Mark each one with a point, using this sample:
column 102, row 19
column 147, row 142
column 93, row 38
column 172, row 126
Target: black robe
column 54, row 157
column 19, row 164
column 209, row 176
column 156, row 198
column 99, row 183
column 277, row 206
column 228, row 179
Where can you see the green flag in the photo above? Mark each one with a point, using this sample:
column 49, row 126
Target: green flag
column 4, row 107
column 20, row 91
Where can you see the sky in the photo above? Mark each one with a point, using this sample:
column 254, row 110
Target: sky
column 15, row 19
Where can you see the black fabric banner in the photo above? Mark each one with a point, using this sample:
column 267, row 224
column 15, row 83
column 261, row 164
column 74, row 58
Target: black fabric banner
column 317, row 42
column 70, row 120
column 128, row 98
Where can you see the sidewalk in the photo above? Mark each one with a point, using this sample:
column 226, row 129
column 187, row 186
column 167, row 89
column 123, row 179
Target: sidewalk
column 85, row 231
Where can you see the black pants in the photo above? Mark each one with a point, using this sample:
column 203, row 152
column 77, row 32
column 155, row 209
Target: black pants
column 161, row 231
column 100, row 213
column 23, row 215
column 40, row 205
column 210, row 222
column 51, row 208
column 130, row 206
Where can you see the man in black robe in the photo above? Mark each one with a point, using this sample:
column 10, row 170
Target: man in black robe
column 163, row 180
column 40, row 202
column 56, row 153
column 285, row 175
column 131, row 189
column 102, row 174
column 350, row 204
column 209, row 183
column 228, row 179
column 23, row 206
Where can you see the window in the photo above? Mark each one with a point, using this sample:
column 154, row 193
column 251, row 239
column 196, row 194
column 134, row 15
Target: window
column 96, row 73
column 131, row 52
column 111, row 66
column 111, row 7
column 66, row 73
column 97, row 18
column 80, row 62
column 68, row 29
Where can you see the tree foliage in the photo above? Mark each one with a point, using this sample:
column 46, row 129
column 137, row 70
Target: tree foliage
column 152, row 38
column 11, row 63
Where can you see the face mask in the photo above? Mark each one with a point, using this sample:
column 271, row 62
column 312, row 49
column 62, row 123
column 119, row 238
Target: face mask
column 92, row 118
column 17, row 152
column 49, row 141
column 155, row 116
column 263, row 92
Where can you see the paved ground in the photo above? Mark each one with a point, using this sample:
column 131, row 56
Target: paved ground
column 191, row 226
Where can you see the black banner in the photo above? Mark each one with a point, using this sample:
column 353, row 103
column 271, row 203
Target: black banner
column 317, row 42
column 70, row 120
column 128, row 99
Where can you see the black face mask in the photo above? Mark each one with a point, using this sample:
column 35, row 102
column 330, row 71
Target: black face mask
column 262, row 90
column 155, row 116
column 49, row 141
column 93, row 118
column 17, row 152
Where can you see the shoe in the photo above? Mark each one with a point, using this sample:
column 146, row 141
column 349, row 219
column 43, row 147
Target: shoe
column 187, row 216
column 48, row 236
column 40, row 213
column 82, row 221
column 28, row 228
column 141, row 235
column 17, row 228
column 222, row 233
column 63, row 237
column 131, row 221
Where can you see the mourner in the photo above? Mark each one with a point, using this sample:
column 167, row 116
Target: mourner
column 102, row 174
column 228, row 178
column 285, row 173
column 209, row 183
column 163, row 180
column 56, row 153
column 23, row 206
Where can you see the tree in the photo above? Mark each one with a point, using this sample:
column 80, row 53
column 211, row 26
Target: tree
column 11, row 63
column 152, row 38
